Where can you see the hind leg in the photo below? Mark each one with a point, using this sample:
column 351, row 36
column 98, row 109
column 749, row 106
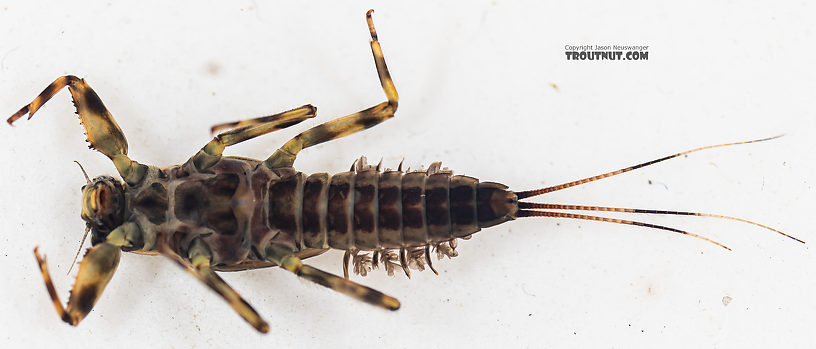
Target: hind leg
column 288, row 261
column 285, row 156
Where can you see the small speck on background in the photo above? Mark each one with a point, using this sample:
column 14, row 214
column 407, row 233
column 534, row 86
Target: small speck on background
column 726, row 300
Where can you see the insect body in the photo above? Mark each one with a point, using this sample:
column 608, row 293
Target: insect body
column 215, row 213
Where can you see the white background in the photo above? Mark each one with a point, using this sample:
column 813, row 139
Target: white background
column 475, row 82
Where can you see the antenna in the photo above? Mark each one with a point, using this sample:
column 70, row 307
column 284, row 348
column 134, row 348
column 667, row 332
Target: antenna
column 87, row 229
column 84, row 173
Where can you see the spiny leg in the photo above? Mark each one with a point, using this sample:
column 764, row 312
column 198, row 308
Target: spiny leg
column 288, row 261
column 286, row 155
column 245, row 130
column 201, row 268
column 95, row 271
column 101, row 129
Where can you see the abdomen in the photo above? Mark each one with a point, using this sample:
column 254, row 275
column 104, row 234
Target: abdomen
column 369, row 210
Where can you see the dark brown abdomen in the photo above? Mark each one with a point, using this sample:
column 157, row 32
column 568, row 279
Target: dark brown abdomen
column 370, row 210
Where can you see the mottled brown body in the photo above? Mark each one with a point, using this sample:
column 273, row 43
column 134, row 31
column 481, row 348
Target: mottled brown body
column 239, row 207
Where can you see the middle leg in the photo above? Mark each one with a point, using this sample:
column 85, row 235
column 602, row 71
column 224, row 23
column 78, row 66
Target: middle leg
column 246, row 130
column 199, row 265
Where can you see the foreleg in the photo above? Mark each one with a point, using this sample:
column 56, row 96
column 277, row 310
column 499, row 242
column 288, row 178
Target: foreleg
column 95, row 271
column 101, row 129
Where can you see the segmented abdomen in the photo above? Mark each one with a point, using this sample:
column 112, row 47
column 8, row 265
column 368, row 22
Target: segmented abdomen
column 367, row 209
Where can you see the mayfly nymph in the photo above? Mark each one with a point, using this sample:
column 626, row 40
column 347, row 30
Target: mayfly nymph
column 222, row 213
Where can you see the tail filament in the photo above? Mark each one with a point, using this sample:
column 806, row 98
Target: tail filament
column 531, row 209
